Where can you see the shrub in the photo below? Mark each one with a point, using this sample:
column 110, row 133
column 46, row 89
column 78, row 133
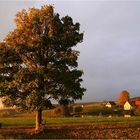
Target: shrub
column 137, row 111
column 78, row 109
column 62, row 111
column 4, row 114
column 128, row 112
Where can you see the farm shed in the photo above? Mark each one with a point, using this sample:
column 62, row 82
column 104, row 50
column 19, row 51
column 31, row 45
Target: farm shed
column 137, row 103
column 110, row 104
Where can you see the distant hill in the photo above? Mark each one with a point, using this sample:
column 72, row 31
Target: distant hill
column 135, row 98
column 8, row 112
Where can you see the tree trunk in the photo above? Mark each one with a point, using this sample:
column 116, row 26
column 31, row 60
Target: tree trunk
column 65, row 110
column 38, row 119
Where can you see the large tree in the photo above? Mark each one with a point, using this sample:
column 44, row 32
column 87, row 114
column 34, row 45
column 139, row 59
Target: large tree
column 38, row 61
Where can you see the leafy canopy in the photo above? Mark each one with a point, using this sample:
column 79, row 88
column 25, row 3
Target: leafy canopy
column 38, row 61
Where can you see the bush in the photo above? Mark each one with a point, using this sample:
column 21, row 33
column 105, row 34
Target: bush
column 128, row 112
column 137, row 111
column 78, row 109
column 62, row 111
column 4, row 114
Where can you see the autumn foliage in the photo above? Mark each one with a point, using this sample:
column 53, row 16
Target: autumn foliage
column 123, row 97
column 38, row 62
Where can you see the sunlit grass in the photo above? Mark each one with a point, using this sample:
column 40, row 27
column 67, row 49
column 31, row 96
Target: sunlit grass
column 90, row 120
column 30, row 121
column 18, row 121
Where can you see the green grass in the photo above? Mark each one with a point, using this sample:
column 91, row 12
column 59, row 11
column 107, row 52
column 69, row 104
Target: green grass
column 17, row 121
column 90, row 120
column 29, row 120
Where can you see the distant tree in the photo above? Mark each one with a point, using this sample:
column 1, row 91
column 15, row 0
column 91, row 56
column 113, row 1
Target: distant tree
column 38, row 62
column 123, row 97
column 137, row 111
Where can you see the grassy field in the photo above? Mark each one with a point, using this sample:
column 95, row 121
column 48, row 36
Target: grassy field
column 28, row 119
column 90, row 114
column 21, row 126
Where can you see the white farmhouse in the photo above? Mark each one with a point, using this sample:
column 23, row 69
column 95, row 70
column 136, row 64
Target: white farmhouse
column 110, row 104
column 127, row 106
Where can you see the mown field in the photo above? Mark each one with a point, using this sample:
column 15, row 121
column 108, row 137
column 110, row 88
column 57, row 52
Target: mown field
column 72, row 128
column 29, row 121
column 21, row 125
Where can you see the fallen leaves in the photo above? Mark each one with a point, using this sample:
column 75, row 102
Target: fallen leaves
column 76, row 131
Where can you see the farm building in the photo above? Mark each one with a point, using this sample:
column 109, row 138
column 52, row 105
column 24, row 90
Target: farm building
column 137, row 103
column 128, row 106
column 110, row 104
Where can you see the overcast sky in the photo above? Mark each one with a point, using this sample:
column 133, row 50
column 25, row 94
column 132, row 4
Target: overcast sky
column 110, row 52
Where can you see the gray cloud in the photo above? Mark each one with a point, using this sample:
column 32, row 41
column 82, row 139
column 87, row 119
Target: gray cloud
column 8, row 10
column 110, row 50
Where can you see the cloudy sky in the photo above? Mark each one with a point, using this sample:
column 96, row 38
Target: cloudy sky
column 110, row 52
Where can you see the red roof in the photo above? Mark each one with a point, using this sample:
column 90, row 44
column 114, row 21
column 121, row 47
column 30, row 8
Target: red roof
column 137, row 103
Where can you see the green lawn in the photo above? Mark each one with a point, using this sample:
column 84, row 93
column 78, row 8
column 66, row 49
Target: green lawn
column 17, row 121
column 90, row 120
column 30, row 121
